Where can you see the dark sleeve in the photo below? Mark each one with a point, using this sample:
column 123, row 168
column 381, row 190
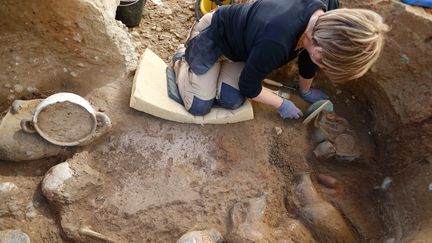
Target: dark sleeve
column 306, row 67
column 264, row 58
column 331, row 4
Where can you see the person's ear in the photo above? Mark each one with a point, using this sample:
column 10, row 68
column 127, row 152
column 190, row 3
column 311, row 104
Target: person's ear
column 317, row 52
column 317, row 55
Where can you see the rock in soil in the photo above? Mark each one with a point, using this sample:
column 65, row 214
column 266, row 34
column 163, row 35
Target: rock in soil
column 207, row 236
column 277, row 131
column 7, row 187
column 14, row 236
column 71, row 180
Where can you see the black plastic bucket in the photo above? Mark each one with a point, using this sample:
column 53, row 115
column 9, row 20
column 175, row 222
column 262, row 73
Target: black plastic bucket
column 130, row 12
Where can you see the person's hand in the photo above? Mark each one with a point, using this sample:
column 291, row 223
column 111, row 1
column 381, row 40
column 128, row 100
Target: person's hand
column 289, row 110
column 313, row 95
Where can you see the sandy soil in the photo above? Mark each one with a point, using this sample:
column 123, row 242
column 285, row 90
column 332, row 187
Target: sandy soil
column 162, row 179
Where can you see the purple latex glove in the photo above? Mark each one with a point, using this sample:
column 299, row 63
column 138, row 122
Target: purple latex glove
column 289, row 110
column 314, row 95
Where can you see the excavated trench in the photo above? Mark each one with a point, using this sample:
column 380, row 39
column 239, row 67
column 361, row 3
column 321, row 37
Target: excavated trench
column 153, row 180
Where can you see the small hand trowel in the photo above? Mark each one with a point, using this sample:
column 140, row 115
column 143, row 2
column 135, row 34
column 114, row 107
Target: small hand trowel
column 279, row 85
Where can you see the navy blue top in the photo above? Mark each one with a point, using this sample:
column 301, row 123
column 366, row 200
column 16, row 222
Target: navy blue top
column 264, row 34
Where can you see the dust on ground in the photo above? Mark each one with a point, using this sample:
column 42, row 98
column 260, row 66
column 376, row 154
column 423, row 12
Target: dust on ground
column 162, row 178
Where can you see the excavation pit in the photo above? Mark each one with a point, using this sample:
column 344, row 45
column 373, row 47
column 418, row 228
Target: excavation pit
column 155, row 180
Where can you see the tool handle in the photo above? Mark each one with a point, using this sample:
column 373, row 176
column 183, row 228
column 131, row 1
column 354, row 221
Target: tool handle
column 273, row 83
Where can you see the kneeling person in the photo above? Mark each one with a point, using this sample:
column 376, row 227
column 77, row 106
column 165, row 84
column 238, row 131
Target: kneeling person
column 230, row 51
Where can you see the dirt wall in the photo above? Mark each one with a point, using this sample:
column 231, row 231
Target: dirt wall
column 54, row 45
column 398, row 91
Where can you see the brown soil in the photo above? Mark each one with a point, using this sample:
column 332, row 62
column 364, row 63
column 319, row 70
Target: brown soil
column 65, row 122
column 162, row 179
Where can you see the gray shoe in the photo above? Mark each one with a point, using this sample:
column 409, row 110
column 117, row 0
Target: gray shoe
column 179, row 54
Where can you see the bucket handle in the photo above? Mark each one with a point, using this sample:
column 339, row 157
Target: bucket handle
column 103, row 120
column 27, row 126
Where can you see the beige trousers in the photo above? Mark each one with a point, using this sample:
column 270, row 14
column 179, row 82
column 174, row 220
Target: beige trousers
column 208, row 85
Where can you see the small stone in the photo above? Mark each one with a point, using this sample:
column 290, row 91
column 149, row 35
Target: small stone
column 208, row 236
column 430, row 187
column 31, row 89
column 153, row 27
column 15, row 107
column 11, row 97
column 80, row 64
column 18, row 88
column 277, row 130
column 404, row 58
column 386, row 183
column 14, row 236
column 338, row 91
column 161, row 37
column 158, row 29
column 192, row 7
column 167, row 11
column 6, row 187
column 14, row 209
column 31, row 210
column 135, row 34
column 77, row 37
column 33, row 61
column 8, row 86
column 73, row 74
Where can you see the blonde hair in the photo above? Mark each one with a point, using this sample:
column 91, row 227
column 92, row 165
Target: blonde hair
column 351, row 41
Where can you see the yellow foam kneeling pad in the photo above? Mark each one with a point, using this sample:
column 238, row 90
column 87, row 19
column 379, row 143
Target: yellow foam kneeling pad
column 150, row 95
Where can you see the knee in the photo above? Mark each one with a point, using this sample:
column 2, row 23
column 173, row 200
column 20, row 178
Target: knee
column 230, row 98
column 200, row 107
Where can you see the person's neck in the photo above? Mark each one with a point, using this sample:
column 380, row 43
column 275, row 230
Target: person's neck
column 306, row 38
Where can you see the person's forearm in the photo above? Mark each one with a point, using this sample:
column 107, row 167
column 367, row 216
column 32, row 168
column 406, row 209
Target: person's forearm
column 268, row 97
column 305, row 84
